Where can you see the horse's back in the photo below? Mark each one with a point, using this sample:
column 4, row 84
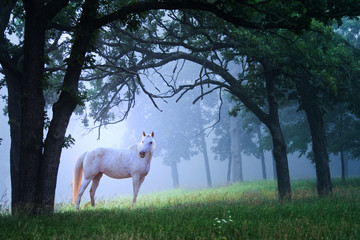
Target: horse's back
column 113, row 162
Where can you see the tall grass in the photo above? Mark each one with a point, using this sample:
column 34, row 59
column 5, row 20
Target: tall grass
column 247, row 210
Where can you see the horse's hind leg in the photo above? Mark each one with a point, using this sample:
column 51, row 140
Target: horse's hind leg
column 84, row 185
column 94, row 185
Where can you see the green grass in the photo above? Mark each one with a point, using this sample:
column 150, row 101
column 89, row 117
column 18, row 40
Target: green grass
column 247, row 210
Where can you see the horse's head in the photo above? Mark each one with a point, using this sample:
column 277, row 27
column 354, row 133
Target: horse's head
column 147, row 144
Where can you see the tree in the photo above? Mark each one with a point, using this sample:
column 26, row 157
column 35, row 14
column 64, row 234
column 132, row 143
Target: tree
column 222, row 140
column 235, row 134
column 319, row 87
column 34, row 164
column 342, row 126
column 187, row 36
column 203, row 145
column 253, row 127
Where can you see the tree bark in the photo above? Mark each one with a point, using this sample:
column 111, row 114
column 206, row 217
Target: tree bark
column 32, row 111
column 228, row 176
column 342, row 165
column 12, row 68
column 279, row 146
column 281, row 161
column 236, row 159
column 346, row 167
column 274, row 168
column 14, row 110
column 342, row 155
column 237, row 175
column 315, row 118
column 206, row 160
column 175, row 174
column 262, row 157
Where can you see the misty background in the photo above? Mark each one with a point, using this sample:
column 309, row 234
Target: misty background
column 191, row 171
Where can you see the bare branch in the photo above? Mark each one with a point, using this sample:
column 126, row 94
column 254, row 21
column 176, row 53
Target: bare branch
column 212, row 126
column 4, row 195
column 205, row 93
column 150, row 95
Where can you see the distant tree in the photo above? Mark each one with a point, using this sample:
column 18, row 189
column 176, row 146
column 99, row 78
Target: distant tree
column 234, row 136
column 229, row 141
column 343, row 135
column 221, row 146
column 200, row 121
column 253, row 127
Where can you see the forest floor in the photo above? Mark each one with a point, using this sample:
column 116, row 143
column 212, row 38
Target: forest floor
column 249, row 210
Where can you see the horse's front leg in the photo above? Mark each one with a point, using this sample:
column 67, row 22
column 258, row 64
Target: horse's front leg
column 137, row 181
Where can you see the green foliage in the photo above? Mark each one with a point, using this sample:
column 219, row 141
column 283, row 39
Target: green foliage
column 68, row 141
column 17, row 23
column 343, row 126
column 247, row 210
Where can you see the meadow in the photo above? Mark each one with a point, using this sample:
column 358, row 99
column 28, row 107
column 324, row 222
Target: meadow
column 248, row 210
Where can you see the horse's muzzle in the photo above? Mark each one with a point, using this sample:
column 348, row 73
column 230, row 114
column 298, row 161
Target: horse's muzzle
column 142, row 154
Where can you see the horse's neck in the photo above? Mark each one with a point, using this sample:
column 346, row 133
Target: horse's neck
column 149, row 156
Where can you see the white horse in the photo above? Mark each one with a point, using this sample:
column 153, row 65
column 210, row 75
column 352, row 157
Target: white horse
column 132, row 162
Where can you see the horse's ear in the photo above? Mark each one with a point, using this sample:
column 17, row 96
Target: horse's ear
column 144, row 134
column 152, row 134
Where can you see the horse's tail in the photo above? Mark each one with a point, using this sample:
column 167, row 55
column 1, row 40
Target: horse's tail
column 76, row 181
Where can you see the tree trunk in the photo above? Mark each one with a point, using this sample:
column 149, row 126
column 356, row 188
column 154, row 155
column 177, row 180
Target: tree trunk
column 34, row 166
column 32, row 112
column 341, row 130
column 315, row 118
column 64, row 107
column 262, row 157
column 235, row 135
column 14, row 109
column 263, row 166
column 342, row 165
column 206, row 159
column 279, row 146
column 274, row 168
column 281, row 162
column 237, row 175
column 271, row 120
column 319, row 149
column 228, row 177
column 346, row 168
column 175, row 174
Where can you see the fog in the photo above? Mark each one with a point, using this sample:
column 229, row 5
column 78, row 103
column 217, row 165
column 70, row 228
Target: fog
column 191, row 172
